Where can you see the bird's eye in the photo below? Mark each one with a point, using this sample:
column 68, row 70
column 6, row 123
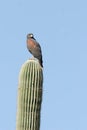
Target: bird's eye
column 31, row 35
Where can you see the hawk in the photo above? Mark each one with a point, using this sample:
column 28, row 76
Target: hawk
column 34, row 48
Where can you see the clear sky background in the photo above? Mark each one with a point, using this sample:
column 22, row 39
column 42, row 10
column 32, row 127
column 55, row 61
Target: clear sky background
column 60, row 26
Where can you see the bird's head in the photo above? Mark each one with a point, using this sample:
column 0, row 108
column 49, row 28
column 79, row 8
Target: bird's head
column 30, row 35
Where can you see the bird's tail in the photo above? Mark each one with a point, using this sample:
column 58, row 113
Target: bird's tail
column 41, row 61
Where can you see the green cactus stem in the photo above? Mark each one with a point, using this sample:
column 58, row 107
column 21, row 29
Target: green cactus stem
column 29, row 96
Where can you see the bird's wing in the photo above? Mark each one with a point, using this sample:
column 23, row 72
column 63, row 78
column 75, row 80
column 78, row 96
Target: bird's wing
column 38, row 47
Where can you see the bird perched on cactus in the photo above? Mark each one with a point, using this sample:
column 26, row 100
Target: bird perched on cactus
column 34, row 48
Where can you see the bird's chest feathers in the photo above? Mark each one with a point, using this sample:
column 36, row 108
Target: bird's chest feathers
column 31, row 44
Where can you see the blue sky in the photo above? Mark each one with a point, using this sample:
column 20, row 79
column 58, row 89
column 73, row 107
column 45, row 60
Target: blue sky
column 61, row 29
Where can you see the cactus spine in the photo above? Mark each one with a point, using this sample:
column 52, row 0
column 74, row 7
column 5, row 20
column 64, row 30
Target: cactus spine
column 29, row 96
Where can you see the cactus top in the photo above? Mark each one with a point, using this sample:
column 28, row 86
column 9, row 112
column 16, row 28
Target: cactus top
column 30, row 89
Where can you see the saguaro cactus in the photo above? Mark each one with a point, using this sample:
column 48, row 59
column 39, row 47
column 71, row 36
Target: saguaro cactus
column 29, row 96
